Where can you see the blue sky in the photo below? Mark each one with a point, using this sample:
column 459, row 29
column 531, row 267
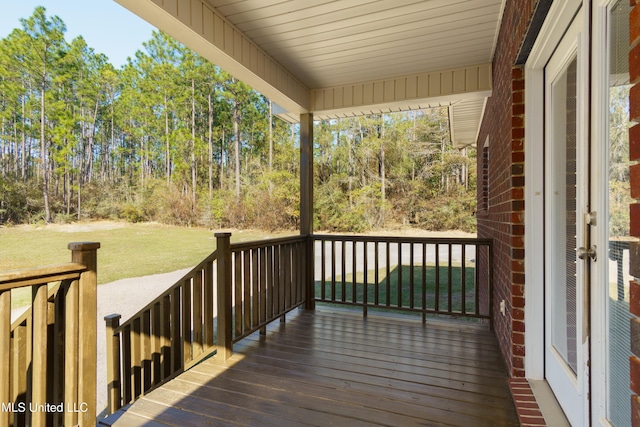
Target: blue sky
column 106, row 26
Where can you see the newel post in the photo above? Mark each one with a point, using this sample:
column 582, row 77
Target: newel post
column 87, row 253
column 223, row 248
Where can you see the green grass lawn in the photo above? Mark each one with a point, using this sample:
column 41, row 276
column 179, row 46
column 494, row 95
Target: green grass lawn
column 127, row 250
column 401, row 295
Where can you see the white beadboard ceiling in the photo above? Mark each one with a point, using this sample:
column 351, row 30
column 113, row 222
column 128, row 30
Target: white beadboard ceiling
column 331, row 48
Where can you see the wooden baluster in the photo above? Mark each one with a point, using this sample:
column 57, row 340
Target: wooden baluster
column 71, row 361
column 263, row 260
column 343, row 265
column 39, row 358
column 145, row 331
column 399, row 284
column 365, row 278
column 208, row 305
column 165, row 336
column 376, row 274
column 476, row 281
column 156, row 346
column 412, row 292
column 223, row 244
column 197, row 314
column 464, row 280
column 237, row 300
column 127, row 393
column 186, row 323
column 424, row 283
column 5, row 349
column 388, row 276
column 246, row 290
column 449, row 282
column 113, row 363
column 255, row 292
column 437, row 297
column 136, row 359
column 176, row 340
column 86, row 253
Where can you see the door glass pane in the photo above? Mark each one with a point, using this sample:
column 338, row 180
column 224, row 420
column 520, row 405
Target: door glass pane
column 563, row 203
column 619, row 200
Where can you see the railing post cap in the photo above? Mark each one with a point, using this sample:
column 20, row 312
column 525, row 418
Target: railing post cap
column 112, row 317
column 83, row 246
column 223, row 234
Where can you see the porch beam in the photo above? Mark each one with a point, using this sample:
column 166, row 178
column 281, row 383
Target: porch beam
column 198, row 26
column 418, row 91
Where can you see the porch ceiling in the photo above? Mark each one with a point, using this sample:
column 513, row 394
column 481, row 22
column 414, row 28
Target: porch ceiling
column 339, row 58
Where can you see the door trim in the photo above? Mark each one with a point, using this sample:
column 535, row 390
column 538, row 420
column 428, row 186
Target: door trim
column 558, row 20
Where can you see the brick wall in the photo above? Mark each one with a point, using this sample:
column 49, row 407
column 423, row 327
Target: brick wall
column 503, row 218
column 634, row 155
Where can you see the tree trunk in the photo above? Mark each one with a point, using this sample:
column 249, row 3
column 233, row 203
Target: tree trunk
column 236, row 131
column 43, row 152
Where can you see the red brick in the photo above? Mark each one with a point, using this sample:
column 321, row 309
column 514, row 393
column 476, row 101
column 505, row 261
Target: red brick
column 634, row 176
column 634, row 143
column 519, row 373
column 518, row 278
column 634, row 214
column 634, row 26
column 517, row 133
column 634, row 64
column 517, row 109
column 517, row 85
column 517, row 122
column 634, row 259
column 517, row 338
column 634, row 364
column 517, row 302
column 517, row 73
column 517, row 314
column 518, row 97
column 635, row 411
column 517, row 157
column 634, row 298
column 517, row 193
column 518, row 326
column 634, row 103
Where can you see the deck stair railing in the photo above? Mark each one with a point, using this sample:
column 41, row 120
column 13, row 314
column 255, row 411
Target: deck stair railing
column 235, row 291
column 48, row 367
column 429, row 276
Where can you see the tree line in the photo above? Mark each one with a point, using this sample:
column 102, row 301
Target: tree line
column 171, row 137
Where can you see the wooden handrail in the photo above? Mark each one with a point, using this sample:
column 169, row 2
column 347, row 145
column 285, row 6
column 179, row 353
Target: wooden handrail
column 37, row 276
column 253, row 283
column 49, row 352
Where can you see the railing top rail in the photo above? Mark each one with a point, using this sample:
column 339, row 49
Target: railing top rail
column 40, row 275
column 404, row 239
column 256, row 244
column 210, row 258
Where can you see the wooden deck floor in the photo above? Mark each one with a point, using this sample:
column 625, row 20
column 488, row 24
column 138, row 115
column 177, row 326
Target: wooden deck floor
column 332, row 368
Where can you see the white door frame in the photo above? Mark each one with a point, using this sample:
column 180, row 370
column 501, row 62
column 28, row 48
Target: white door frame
column 558, row 19
column 600, row 232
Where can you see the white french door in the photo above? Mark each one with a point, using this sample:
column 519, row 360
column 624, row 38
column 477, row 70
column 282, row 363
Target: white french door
column 567, row 249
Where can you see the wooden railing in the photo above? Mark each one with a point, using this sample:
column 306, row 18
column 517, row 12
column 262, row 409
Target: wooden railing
column 234, row 292
column 48, row 367
column 440, row 276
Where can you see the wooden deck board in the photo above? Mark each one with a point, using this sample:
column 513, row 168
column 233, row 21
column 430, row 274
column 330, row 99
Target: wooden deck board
column 334, row 368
